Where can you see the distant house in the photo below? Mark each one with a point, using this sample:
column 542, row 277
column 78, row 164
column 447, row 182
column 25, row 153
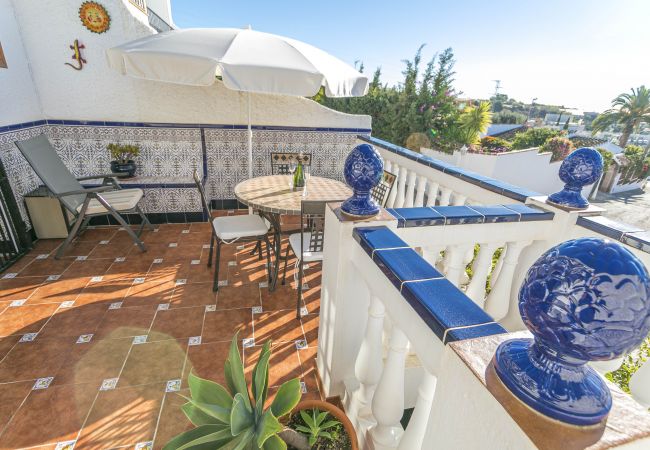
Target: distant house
column 503, row 130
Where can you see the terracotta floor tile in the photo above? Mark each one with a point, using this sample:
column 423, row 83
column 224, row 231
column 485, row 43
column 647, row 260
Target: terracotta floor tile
column 283, row 297
column 169, row 270
column 279, row 326
column 172, row 419
column 19, row 288
column 37, row 359
column 25, row 319
column 200, row 227
column 194, row 238
column 154, row 362
column 222, row 325
column 177, row 323
column 113, row 249
column 49, row 415
column 239, row 276
column 12, row 395
column 246, row 296
column 61, row 290
column 125, row 322
column 284, row 363
column 6, row 344
column 88, row 268
column 131, row 266
column 104, row 291
column 207, row 361
column 149, row 293
column 201, row 273
column 91, row 363
column 79, row 248
column 75, row 321
column 194, row 294
column 97, row 234
column 46, row 267
column 46, row 245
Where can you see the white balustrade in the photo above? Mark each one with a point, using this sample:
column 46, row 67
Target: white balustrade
column 498, row 302
column 445, row 196
column 420, row 191
column 401, row 187
column 455, row 262
column 410, row 190
column 390, row 203
column 417, row 427
column 459, row 199
column 640, row 384
column 480, row 271
column 432, row 193
column 388, row 400
column 368, row 366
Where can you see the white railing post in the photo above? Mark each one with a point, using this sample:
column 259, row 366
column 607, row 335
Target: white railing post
column 388, row 401
column 410, row 190
column 445, row 195
column 459, row 199
column 432, row 193
column 455, row 264
column 498, row 301
column 369, row 362
column 420, row 190
column 417, row 427
column 401, row 186
column 392, row 196
column 480, row 271
column 431, row 254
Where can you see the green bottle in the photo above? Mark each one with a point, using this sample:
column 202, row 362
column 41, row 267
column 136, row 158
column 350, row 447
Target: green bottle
column 299, row 176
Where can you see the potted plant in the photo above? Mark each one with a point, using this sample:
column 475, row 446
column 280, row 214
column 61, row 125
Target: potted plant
column 123, row 158
column 235, row 417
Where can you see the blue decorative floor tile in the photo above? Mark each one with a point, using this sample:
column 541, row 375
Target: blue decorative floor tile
column 497, row 213
column 473, row 332
column 404, row 264
column 374, row 238
column 529, row 213
column 417, row 217
column 443, row 306
column 456, row 215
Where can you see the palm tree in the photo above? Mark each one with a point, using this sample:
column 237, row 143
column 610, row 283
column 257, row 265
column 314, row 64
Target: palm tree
column 473, row 121
column 628, row 111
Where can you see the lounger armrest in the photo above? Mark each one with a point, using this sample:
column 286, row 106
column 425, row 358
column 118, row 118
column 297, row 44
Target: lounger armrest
column 87, row 191
column 106, row 175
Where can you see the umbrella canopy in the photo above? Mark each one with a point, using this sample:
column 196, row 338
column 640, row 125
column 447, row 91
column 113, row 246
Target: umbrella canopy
column 247, row 60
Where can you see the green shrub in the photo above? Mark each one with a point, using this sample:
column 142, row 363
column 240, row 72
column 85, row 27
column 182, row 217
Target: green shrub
column 123, row 153
column 607, row 158
column 631, row 364
column 495, row 143
column 533, row 137
column 637, row 165
column 559, row 147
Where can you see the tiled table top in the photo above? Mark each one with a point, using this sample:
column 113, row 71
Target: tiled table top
column 273, row 193
column 92, row 347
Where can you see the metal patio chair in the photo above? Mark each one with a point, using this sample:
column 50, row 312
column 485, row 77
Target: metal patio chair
column 82, row 203
column 231, row 229
column 280, row 161
column 381, row 192
column 307, row 245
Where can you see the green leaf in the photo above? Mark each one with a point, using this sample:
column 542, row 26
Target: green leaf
column 261, row 378
column 274, row 443
column 237, row 381
column 240, row 442
column 329, row 424
column 196, row 416
column 190, row 436
column 241, row 415
column 206, row 391
column 267, row 427
column 286, row 398
column 326, row 434
column 320, row 417
column 312, row 440
column 303, row 428
column 219, row 413
column 229, row 378
column 307, row 418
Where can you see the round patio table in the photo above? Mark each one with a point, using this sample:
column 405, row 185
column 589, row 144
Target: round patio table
column 272, row 196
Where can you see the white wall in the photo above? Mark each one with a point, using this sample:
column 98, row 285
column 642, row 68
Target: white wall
column 18, row 97
column 163, row 8
column 524, row 168
column 49, row 27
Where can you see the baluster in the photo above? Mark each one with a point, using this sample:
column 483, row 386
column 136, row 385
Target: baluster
column 480, row 272
column 388, row 401
column 417, row 427
column 390, row 203
column 455, row 263
column 498, row 301
column 445, row 195
column 431, row 254
column 459, row 199
column 368, row 365
column 421, row 188
column 497, row 266
column 410, row 190
column 640, row 385
column 387, row 165
column 432, row 193
column 401, row 186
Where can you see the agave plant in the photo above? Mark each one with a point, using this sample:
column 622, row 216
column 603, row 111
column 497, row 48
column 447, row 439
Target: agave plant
column 231, row 417
column 316, row 425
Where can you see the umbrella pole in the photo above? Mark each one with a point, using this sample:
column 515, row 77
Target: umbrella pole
column 250, row 140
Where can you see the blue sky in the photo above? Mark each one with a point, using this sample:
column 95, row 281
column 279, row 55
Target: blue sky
column 576, row 53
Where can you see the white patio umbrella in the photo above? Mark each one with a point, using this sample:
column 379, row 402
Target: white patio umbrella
column 246, row 60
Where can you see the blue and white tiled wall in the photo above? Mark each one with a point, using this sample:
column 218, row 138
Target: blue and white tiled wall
column 170, row 152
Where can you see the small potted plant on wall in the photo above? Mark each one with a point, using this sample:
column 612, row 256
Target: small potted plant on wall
column 235, row 417
column 123, row 158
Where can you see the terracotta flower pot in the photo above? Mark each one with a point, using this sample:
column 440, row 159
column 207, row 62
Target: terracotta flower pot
column 336, row 412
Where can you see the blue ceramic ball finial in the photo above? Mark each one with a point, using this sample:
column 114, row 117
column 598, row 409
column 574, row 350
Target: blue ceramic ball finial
column 584, row 300
column 581, row 168
column 363, row 170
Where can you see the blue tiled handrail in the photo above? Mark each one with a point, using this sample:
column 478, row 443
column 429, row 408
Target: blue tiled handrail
column 490, row 184
column 448, row 312
column 628, row 234
column 456, row 215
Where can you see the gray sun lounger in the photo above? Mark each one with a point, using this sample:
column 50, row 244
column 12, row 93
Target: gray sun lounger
column 82, row 203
